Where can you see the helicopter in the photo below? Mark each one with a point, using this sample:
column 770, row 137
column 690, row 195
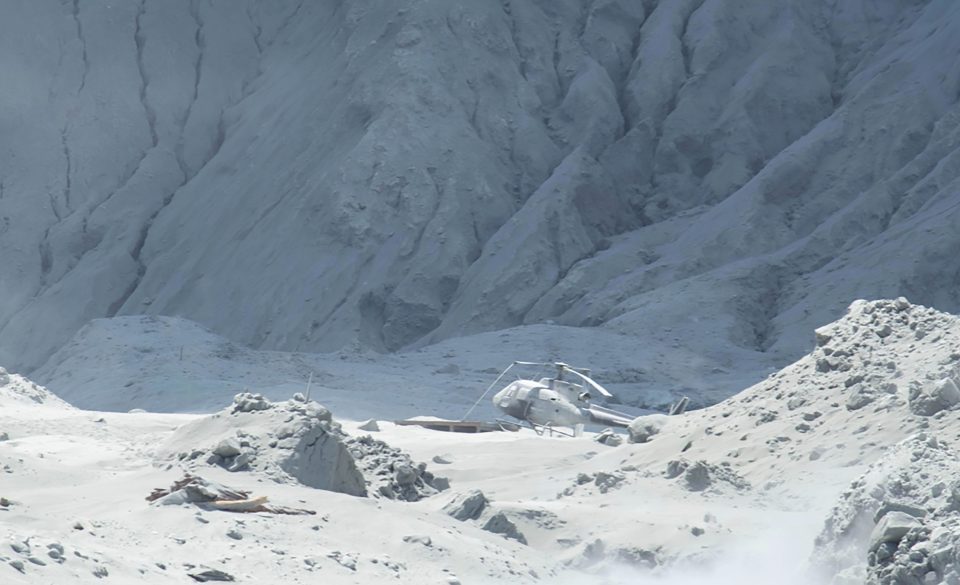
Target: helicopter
column 555, row 402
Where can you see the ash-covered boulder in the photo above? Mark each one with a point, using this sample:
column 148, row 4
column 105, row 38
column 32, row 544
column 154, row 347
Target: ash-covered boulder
column 643, row 428
column 500, row 524
column 468, row 506
column 609, row 438
column 860, row 396
column 891, row 528
column 229, row 447
column 370, row 426
column 316, row 456
column 929, row 399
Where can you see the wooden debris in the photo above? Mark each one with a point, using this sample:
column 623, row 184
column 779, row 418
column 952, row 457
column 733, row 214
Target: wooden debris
column 214, row 496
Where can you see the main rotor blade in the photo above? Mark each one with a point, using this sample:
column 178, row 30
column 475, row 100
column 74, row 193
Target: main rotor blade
column 603, row 391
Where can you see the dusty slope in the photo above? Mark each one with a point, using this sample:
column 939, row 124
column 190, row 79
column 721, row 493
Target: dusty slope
column 704, row 173
column 752, row 477
column 166, row 364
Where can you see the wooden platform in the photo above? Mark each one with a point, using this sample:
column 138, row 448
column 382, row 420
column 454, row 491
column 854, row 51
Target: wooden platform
column 458, row 426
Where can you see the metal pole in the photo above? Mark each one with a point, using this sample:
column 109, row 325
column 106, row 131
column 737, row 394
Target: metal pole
column 309, row 381
column 487, row 391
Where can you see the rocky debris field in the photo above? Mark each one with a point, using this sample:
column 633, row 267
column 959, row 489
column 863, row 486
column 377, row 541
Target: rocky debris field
column 842, row 464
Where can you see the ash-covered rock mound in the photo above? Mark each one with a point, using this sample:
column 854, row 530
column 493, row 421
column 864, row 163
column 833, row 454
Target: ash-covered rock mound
column 391, row 472
column 15, row 390
column 886, row 370
column 298, row 440
column 899, row 523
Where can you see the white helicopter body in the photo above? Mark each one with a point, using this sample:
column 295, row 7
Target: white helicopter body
column 555, row 402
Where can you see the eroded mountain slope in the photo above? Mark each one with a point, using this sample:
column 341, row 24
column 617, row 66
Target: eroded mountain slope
column 305, row 176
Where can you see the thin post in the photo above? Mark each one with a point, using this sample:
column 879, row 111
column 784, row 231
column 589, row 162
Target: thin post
column 309, row 381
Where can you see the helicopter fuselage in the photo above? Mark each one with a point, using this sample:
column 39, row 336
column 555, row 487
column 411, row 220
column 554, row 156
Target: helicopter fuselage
column 547, row 402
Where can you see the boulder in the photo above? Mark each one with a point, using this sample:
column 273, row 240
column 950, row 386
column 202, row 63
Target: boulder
column 697, row 477
column 860, row 396
column 227, row 448
column 370, row 426
column 643, row 428
column 609, row 438
column 892, row 528
column 500, row 524
column 468, row 506
column 930, row 399
column 206, row 575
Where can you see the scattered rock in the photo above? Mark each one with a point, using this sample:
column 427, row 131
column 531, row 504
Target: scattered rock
column 418, row 539
column 608, row 481
column 344, row 560
column 609, row 438
column 55, row 552
column 500, row 524
column 210, row 575
column 700, row 475
column 248, row 402
column 637, row 557
column 468, row 506
column 391, row 472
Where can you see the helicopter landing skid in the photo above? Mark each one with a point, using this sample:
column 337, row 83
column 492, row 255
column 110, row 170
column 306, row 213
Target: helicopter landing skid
column 549, row 430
